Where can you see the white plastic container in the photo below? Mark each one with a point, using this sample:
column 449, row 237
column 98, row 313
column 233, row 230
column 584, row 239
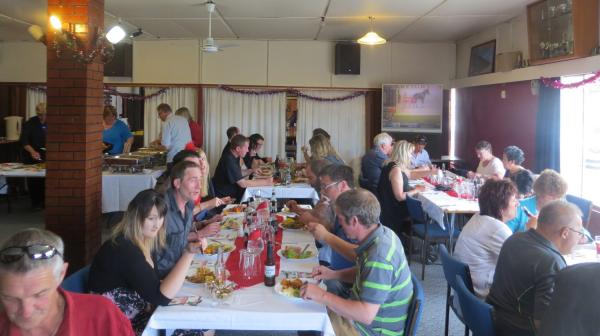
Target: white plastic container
column 13, row 127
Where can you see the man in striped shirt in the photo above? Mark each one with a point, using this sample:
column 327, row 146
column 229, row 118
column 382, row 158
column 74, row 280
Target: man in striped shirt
column 382, row 288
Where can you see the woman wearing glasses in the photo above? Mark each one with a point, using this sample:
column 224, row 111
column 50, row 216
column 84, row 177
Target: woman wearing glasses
column 393, row 187
column 123, row 269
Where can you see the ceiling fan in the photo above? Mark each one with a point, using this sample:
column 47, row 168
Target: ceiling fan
column 209, row 45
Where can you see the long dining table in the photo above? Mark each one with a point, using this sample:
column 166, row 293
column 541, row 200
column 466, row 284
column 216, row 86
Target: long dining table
column 290, row 191
column 253, row 306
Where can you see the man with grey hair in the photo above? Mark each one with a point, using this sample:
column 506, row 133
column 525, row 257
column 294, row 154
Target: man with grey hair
column 31, row 270
column 527, row 265
column 372, row 162
column 175, row 134
column 382, row 287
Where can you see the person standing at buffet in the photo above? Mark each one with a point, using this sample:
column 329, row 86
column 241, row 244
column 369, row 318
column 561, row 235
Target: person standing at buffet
column 195, row 128
column 116, row 133
column 33, row 140
column 175, row 132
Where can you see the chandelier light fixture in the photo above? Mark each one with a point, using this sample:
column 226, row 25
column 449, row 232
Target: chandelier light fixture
column 371, row 38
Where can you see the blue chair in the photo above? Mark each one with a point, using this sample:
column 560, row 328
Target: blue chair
column 78, row 281
column 415, row 310
column 424, row 229
column 454, row 268
column 584, row 205
column 476, row 313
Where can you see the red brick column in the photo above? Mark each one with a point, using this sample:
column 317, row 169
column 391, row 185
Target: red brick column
column 74, row 150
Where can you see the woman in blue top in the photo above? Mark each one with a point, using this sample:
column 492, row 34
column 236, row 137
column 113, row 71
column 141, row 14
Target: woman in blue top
column 115, row 133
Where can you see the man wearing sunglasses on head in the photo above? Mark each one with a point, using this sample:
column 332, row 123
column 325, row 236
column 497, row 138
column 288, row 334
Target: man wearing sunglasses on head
column 31, row 270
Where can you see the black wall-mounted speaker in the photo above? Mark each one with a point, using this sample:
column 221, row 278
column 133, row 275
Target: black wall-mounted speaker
column 347, row 59
column 122, row 63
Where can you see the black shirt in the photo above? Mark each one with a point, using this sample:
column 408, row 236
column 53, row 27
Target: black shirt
column 34, row 135
column 523, row 282
column 227, row 173
column 249, row 159
column 574, row 307
column 121, row 264
column 393, row 212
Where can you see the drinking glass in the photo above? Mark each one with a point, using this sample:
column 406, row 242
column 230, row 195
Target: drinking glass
column 597, row 241
column 256, row 245
column 249, row 263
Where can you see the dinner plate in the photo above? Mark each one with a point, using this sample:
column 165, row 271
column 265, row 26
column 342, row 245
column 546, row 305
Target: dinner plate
column 289, row 229
column 279, row 290
column 232, row 223
column 228, row 248
column 314, row 254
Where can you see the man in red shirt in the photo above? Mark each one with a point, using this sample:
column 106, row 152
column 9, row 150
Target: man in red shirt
column 31, row 270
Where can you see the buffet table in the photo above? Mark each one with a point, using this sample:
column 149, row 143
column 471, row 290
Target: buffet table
column 118, row 189
column 294, row 190
column 253, row 307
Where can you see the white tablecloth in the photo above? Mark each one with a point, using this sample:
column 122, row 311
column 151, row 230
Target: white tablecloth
column 294, row 190
column 437, row 204
column 119, row 189
column 253, row 308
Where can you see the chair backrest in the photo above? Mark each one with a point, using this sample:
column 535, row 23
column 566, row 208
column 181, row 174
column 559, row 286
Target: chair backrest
column 78, row 281
column 584, row 205
column 476, row 313
column 415, row 210
column 415, row 310
column 453, row 268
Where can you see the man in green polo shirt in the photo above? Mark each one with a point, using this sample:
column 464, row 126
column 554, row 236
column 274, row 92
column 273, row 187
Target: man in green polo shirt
column 382, row 289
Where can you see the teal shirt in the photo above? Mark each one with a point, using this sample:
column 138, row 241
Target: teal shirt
column 518, row 224
column 383, row 278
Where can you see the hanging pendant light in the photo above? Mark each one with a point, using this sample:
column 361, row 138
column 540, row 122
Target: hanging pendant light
column 371, row 38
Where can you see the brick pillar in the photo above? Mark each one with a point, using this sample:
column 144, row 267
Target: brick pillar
column 74, row 150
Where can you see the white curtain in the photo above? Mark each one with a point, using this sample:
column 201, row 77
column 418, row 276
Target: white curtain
column 263, row 114
column 34, row 97
column 343, row 120
column 176, row 97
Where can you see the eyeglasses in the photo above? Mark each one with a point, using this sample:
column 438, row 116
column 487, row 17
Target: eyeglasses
column 582, row 233
column 34, row 252
column 330, row 185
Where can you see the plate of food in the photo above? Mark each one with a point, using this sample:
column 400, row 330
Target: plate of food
column 232, row 223
column 213, row 248
column 291, row 223
column 291, row 287
column 295, row 252
column 232, row 209
column 265, row 170
column 200, row 275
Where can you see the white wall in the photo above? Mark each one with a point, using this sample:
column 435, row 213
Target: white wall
column 22, row 62
column 273, row 63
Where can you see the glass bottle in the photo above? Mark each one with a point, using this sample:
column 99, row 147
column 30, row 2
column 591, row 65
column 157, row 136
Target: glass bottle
column 270, row 266
column 220, row 272
column 273, row 202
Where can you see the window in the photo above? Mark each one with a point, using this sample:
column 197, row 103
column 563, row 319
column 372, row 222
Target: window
column 580, row 138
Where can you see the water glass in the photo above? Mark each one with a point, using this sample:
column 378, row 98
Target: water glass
column 256, row 245
column 249, row 263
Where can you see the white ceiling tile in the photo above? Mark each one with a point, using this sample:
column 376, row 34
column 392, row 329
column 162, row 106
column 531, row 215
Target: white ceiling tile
column 156, row 8
column 353, row 28
column 276, row 29
column 271, row 8
column 446, row 28
column 199, row 28
column 482, row 7
column 163, row 28
column 380, row 8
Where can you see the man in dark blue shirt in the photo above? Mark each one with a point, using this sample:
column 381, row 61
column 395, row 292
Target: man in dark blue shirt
column 33, row 140
column 372, row 161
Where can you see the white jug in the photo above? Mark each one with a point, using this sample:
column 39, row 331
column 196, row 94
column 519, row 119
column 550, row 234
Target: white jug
column 13, row 127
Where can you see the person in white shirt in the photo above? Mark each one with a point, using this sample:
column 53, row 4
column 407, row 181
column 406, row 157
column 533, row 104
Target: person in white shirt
column 489, row 165
column 482, row 237
column 175, row 134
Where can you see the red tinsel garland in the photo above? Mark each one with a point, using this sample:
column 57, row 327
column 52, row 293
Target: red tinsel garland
column 110, row 91
column 291, row 91
column 557, row 84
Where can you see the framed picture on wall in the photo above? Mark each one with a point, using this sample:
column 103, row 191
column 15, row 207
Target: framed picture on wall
column 412, row 108
column 483, row 57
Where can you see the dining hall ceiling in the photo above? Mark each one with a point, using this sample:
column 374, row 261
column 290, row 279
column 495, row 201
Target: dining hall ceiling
column 323, row 20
